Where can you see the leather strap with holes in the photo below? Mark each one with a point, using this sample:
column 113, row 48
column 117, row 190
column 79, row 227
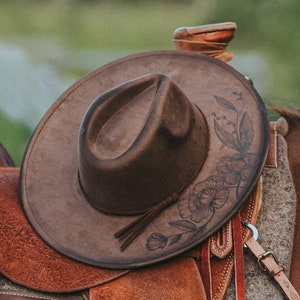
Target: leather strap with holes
column 268, row 262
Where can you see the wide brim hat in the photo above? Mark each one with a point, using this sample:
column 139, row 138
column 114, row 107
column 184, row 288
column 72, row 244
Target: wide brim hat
column 79, row 203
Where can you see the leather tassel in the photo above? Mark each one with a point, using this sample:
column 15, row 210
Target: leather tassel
column 134, row 229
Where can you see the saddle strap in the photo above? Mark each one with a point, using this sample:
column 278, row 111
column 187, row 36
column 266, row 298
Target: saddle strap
column 205, row 268
column 268, row 262
column 238, row 248
column 238, row 258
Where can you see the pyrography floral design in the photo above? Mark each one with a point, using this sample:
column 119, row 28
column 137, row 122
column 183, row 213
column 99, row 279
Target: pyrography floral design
column 235, row 130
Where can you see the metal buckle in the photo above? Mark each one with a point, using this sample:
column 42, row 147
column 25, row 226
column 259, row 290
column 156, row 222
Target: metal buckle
column 253, row 229
column 263, row 256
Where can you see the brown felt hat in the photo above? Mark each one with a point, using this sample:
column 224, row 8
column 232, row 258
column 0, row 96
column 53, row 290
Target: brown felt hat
column 144, row 158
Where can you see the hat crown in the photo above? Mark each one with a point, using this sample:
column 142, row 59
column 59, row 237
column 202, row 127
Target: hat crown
column 140, row 142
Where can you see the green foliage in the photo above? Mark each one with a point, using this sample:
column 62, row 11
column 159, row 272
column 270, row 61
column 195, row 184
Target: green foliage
column 98, row 24
column 272, row 28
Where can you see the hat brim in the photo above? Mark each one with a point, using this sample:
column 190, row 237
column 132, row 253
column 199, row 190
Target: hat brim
column 239, row 134
column 27, row 260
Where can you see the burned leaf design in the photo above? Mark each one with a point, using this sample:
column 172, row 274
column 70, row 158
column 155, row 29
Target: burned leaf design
column 237, row 133
column 196, row 235
column 228, row 139
column 235, row 130
column 175, row 239
column 225, row 103
column 246, row 132
column 183, row 225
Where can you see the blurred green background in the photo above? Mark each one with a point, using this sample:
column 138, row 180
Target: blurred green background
column 46, row 45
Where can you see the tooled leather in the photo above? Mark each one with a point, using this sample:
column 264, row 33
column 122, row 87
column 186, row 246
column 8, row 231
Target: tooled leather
column 177, row 279
column 222, row 242
column 24, row 255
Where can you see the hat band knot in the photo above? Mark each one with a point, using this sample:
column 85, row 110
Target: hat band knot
column 135, row 228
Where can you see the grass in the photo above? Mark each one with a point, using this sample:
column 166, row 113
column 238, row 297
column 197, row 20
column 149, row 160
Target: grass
column 270, row 27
